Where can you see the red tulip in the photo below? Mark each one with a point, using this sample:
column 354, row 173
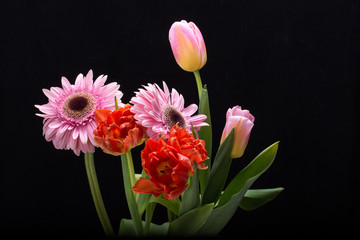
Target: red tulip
column 167, row 168
column 117, row 131
column 193, row 148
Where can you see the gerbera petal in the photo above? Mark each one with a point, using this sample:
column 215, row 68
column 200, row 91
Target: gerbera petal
column 46, row 108
column 110, row 89
column 63, row 128
column 99, row 82
column 75, row 133
column 190, row 110
column 198, row 118
column 56, row 90
column 175, row 98
column 49, row 133
column 83, row 135
column 78, row 81
column 65, row 84
column 166, row 91
column 90, row 129
column 55, row 124
column 89, row 75
column 51, row 95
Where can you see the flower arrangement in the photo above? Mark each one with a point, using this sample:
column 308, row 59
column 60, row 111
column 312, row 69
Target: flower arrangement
column 180, row 170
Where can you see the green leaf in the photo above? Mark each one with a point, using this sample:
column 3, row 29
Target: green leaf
column 236, row 190
column 142, row 202
column 219, row 217
column 127, row 229
column 191, row 198
column 220, row 170
column 205, row 133
column 255, row 198
column 148, row 216
column 159, row 230
column 172, row 204
column 191, row 221
column 250, row 173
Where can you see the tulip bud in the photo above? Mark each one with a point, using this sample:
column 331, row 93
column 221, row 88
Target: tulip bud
column 243, row 122
column 187, row 45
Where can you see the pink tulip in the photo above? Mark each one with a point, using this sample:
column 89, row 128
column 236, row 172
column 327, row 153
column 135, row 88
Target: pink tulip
column 187, row 45
column 243, row 122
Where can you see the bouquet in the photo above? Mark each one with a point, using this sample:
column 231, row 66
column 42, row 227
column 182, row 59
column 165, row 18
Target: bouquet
column 180, row 169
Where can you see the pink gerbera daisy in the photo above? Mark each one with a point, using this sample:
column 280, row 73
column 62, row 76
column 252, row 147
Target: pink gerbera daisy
column 159, row 110
column 69, row 119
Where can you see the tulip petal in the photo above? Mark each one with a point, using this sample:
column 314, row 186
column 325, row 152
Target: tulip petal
column 101, row 115
column 187, row 45
column 145, row 186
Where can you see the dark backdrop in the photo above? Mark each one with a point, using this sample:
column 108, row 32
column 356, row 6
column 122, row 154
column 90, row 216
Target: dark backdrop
column 293, row 64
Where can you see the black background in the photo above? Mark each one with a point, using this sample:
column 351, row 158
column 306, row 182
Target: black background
column 293, row 64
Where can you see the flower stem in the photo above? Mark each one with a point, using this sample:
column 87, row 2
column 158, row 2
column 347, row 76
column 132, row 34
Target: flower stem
column 198, row 82
column 129, row 181
column 96, row 194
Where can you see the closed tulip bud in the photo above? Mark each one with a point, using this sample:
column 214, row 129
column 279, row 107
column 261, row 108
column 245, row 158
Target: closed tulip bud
column 187, row 45
column 243, row 122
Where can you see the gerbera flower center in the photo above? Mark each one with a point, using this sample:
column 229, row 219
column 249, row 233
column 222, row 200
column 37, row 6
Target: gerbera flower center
column 173, row 116
column 78, row 105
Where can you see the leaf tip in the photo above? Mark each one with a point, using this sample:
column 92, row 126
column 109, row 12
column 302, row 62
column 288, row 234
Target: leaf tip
column 275, row 146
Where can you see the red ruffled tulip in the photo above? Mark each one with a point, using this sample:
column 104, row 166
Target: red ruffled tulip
column 193, row 148
column 167, row 168
column 169, row 163
column 117, row 131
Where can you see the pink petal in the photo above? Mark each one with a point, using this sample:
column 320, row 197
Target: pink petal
column 99, row 82
column 66, row 84
column 78, row 81
column 89, row 75
column 83, row 136
column 75, row 133
column 55, row 124
column 52, row 96
column 63, row 128
column 190, row 110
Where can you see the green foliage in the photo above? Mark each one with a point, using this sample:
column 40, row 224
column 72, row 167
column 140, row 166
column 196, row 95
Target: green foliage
column 127, row 229
column 219, row 171
column 236, row 190
column 255, row 198
column 205, row 133
column 172, row 205
column 191, row 221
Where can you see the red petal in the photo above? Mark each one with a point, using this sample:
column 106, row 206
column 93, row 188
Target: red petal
column 101, row 115
column 175, row 192
column 144, row 185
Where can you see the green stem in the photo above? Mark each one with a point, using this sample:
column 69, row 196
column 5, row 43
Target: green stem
column 96, row 194
column 198, row 82
column 130, row 165
column 129, row 181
